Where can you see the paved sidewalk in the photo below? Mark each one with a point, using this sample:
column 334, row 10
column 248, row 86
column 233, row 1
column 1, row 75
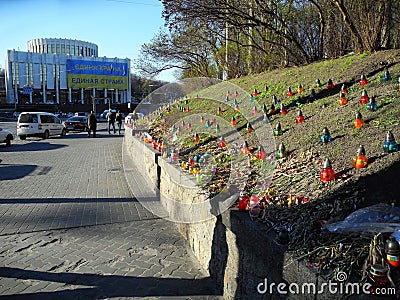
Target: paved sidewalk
column 69, row 228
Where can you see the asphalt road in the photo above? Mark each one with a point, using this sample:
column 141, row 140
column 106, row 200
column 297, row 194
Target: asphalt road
column 70, row 228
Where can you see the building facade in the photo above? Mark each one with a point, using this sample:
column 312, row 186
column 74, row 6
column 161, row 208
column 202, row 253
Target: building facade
column 59, row 71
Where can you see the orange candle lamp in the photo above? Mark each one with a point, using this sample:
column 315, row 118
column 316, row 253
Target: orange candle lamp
column 398, row 84
column 358, row 122
column 189, row 126
column 202, row 120
column 245, row 148
column 249, row 128
column 360, row 161
column 196, row 137
column 364, row 97
column 236, row 107
column 219, row 111
column 255, row 93
column 233, row 121
column 300, row 89
column 342, row 99
column 300, row 117
column 283, row 110
column 327, row 174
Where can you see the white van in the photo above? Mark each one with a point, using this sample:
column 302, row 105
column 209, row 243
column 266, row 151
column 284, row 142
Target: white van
column 39, row 124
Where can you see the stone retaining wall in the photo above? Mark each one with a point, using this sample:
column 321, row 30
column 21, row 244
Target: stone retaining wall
column 237, row 252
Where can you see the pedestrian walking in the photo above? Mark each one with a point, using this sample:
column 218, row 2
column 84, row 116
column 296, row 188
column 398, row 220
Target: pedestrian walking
column 118, row 118
column 92, row 123
column 111, row 121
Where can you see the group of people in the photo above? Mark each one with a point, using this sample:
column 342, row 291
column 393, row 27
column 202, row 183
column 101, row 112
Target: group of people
column 111, row 119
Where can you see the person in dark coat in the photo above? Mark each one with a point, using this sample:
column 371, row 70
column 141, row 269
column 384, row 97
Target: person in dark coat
column 92, row 123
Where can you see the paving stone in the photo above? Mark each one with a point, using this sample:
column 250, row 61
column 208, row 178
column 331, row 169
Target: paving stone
column 84, row 235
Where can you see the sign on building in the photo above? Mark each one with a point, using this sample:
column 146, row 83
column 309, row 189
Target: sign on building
column 93, row 74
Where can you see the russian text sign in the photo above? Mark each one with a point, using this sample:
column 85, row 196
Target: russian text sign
column 92, row 74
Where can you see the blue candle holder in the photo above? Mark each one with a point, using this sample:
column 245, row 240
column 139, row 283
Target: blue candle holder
column 390, row 145
column 326, row 137
column 371, row 106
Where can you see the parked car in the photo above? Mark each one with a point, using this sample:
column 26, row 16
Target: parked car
column 131, row 117
column 76, row 123
column 81, row 114
column 39, row 124
column 6, row 136
column 104, row 113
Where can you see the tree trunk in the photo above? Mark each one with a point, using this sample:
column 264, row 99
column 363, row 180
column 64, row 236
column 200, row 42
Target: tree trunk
column 349, row 24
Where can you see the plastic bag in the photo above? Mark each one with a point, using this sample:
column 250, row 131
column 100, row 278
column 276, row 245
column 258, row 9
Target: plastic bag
column 376, row 218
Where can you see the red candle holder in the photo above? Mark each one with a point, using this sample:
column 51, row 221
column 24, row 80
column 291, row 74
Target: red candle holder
column 243, row 201
column 283, row 110
column 261, row 153
column 255, row 93
column 255, row 111
column 196, row 138
column 222, row 142
column 236, row 94
column 364, row 97
column 330, row 84
column 300, row 117
column 289, row 92
column 363, row 80
column 327, row 174
column 358, row 122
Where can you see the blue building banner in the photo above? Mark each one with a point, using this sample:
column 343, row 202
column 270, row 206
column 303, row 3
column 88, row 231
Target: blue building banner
column 96, row 74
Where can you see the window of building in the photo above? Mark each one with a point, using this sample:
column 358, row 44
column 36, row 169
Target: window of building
column 53, row 48
column 67, row 49
column 62, row 49
column 30, row 74
column 58, row 50
column 44, row 74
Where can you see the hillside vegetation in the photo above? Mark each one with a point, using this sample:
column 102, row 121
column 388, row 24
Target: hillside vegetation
column 297, row 200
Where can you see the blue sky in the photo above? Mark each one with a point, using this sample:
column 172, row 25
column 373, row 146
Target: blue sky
column 118, row 27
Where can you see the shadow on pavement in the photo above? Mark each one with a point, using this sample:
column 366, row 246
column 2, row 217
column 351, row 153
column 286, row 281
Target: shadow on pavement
column 11, row 172
column 64, row 200
column 108, row 286
column 33, row 146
